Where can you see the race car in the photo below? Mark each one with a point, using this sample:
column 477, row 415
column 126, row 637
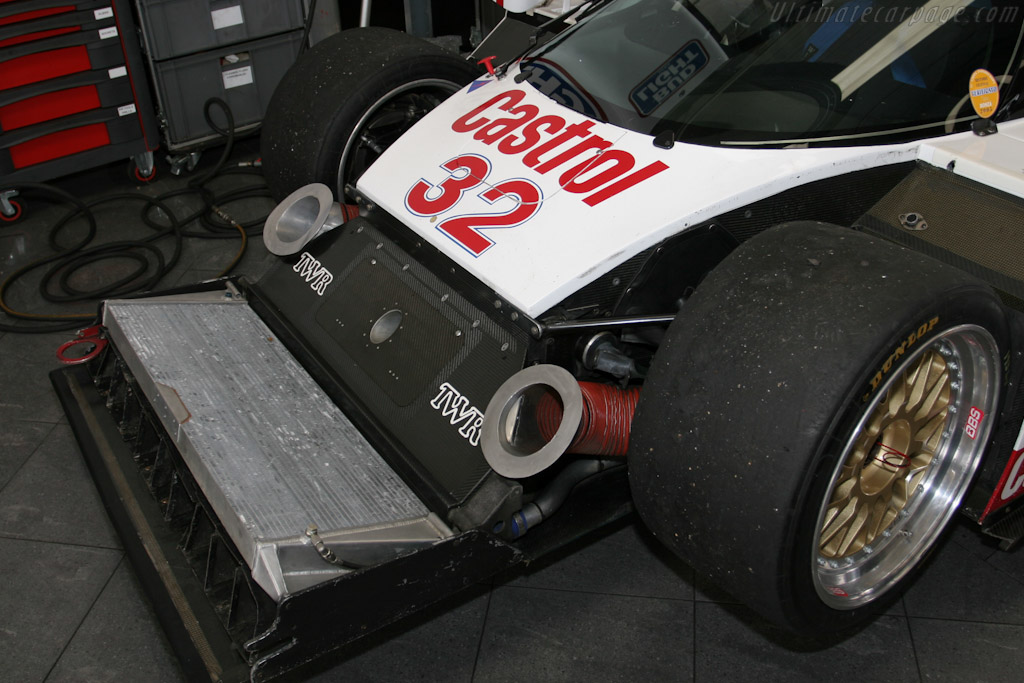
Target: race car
column 749, row 268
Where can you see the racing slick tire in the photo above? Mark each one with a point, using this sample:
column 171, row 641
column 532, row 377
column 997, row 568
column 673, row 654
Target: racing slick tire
column 347, row 99
column 813, row 419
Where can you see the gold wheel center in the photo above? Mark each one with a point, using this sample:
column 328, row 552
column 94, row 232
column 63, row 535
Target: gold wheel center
column 889, row 461
column 893, row 451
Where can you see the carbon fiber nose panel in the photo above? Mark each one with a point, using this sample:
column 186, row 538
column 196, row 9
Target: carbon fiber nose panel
column 426, row 385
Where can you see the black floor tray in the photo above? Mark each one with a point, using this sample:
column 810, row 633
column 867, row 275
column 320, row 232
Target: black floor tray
column 308, row 629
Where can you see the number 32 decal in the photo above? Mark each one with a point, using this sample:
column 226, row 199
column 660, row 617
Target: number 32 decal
column 467, row 172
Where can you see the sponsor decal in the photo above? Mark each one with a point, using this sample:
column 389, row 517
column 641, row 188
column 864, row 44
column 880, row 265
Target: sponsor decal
column 984, row 93
column 549, row 78
column 314, row 273
column 587, row 163
column 1011, row 484
column 974, row 418
column 668, row 78
column 465, row 173
column 456, row 408
column 1014, row 484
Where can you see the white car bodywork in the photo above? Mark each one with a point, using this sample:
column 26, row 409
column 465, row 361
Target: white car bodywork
column 548, row 8
column 575, row 235
column 994, row 161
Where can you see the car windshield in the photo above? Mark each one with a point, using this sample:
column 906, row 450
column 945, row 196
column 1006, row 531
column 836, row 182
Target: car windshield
column 758, row 72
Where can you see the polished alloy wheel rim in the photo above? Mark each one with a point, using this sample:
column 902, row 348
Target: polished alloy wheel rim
column 906, row 467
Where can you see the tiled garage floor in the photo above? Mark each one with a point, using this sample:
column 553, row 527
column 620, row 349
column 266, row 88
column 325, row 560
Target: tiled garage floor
column 614, row 609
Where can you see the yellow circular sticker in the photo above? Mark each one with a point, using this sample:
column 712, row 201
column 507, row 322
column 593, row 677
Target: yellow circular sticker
column 984, row 93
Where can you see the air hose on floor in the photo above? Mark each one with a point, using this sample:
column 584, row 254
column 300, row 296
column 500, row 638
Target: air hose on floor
column 152, row 263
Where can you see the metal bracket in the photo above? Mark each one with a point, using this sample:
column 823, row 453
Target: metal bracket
column 184, row 162
column 6, row 207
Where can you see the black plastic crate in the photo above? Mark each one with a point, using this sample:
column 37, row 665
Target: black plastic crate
column 173, row 28
column 242, row 75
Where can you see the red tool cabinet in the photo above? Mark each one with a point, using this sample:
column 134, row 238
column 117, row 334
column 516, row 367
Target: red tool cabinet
column 73, row 89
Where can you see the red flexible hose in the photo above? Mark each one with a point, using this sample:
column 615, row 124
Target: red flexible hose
column 604, row 427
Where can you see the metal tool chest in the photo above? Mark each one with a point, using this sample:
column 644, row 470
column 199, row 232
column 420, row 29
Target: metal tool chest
column 73, row 91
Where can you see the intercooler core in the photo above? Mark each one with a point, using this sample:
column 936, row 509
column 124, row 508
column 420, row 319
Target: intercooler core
column 280, row 461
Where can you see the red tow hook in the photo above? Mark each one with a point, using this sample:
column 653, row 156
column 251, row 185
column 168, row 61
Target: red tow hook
column 486, row 61
column 90, row 335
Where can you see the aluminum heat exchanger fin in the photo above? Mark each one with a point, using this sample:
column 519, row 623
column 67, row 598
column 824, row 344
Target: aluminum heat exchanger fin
column 270, row 450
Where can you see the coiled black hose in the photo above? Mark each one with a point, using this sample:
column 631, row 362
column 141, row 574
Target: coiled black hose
column 152, row 263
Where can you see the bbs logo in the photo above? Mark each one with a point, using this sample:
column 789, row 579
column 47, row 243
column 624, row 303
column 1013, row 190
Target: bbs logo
column 973, row 424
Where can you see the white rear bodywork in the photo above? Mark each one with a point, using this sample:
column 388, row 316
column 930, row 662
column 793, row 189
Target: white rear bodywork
column 996, row 161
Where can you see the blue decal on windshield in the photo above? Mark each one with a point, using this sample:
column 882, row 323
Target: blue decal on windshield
column 668, row 78
column 554, row 82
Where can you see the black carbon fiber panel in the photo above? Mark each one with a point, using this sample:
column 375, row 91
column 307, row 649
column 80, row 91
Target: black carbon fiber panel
column 601, row 294
column 428, row 382
column 968, row 225
column 1009, row 529
column 838, row 200
column 422, row 342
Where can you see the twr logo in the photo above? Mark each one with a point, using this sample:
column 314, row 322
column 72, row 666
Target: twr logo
column 456, row 408
column 314, row 272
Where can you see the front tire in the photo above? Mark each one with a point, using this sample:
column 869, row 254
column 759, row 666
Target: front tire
column 344, row 101
column 814, row 418
column 901, row 474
